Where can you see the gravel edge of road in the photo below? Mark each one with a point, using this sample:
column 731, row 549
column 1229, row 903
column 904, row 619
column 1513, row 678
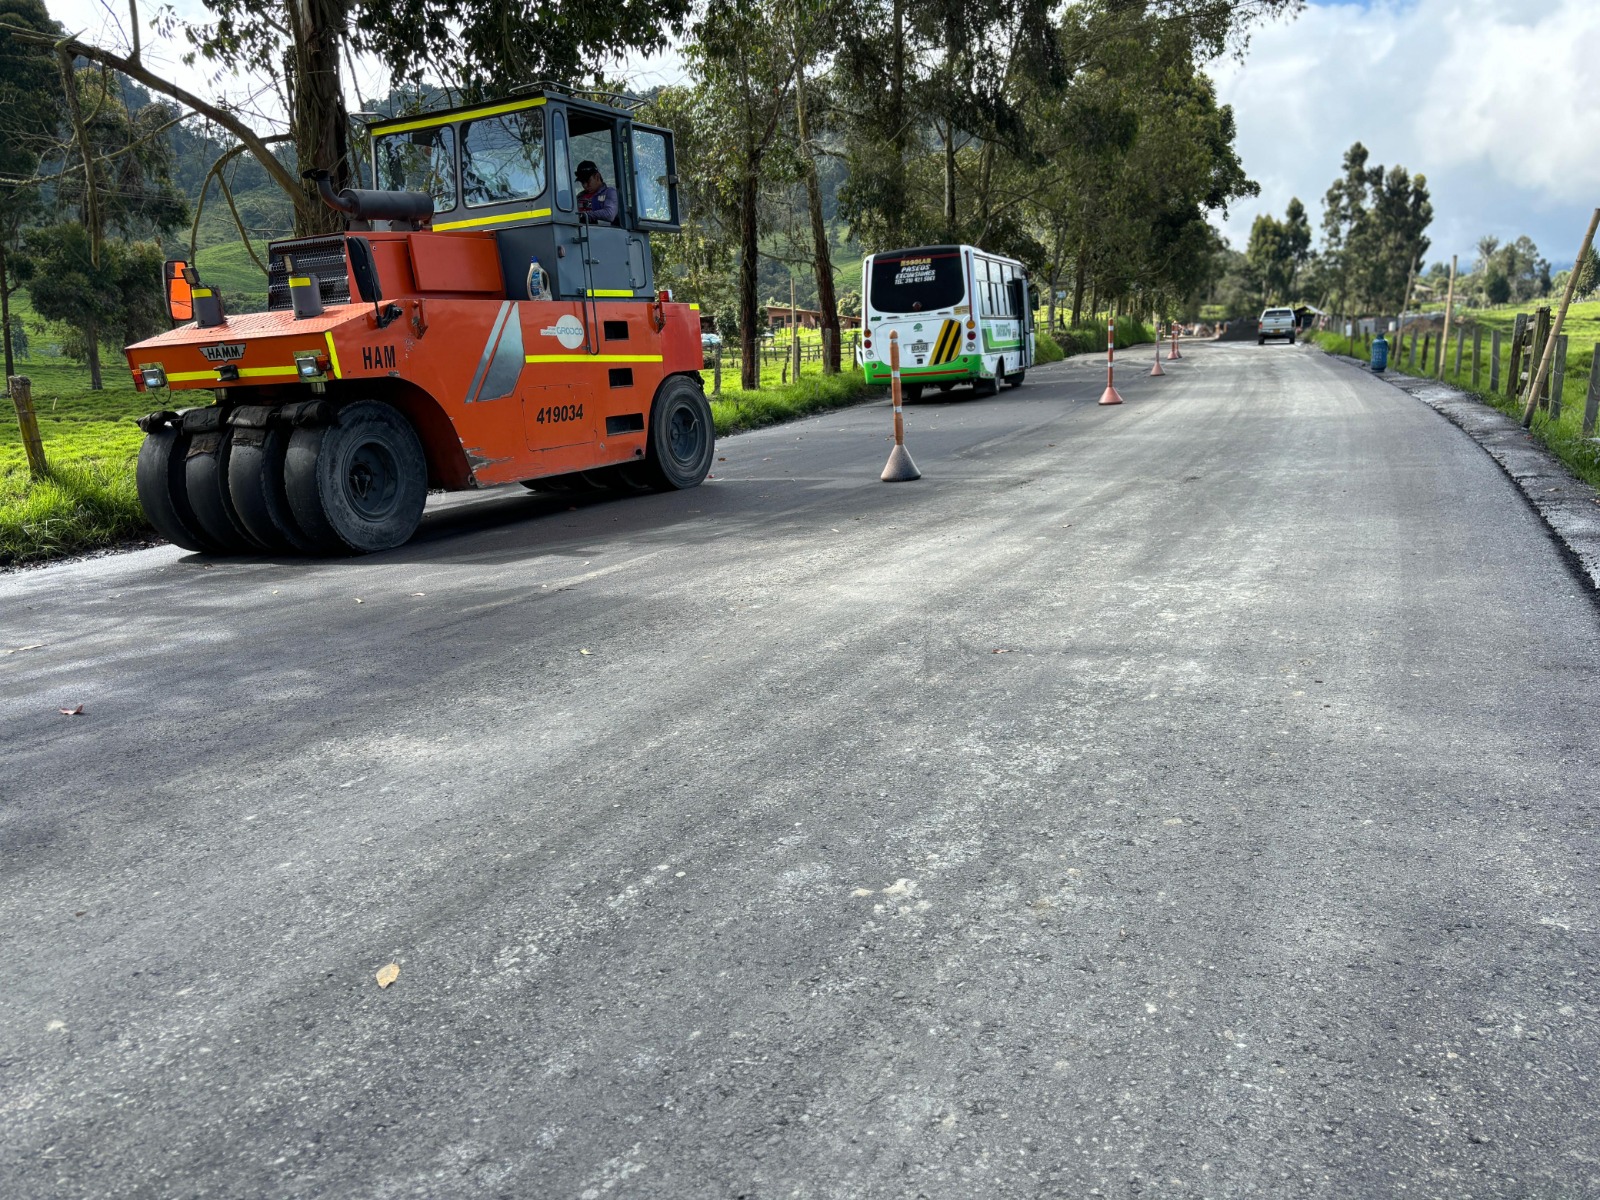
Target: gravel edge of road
column 1569, row 507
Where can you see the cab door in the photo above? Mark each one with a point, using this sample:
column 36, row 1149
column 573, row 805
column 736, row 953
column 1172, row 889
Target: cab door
column 654, row 181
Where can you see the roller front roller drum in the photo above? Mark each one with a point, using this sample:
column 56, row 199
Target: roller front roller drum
column 255, row 483
column 206, row 480
column 164, row 493
column 359, row 484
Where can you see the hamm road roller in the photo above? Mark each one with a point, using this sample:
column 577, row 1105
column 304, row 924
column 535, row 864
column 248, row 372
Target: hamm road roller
column 486, row 318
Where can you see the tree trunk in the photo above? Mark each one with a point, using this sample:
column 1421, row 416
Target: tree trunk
column 1077, row 291
column 5, row 310
column 92, row 333
column 749, row 249
column 950, row 181
column 1054, row 280
column 895, row 206
column 316, row 104
column 827, row 302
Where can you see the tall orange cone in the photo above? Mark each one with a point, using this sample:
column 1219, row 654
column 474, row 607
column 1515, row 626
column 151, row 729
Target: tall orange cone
column 899, row 468
column 1109, row 396
column 1174, row 355
column 1156, row 370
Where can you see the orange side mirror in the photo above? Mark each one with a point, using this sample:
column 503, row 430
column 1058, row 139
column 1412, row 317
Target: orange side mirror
column 180, row 295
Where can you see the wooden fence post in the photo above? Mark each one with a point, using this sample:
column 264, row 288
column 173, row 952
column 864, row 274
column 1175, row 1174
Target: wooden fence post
column 1427, row 345
column 1558, row 376
column 1411, row 346
column 1591, row 405
column 1514, row 372
column 1494, row 362
column 716, row 371
column 21, row 388
column 1539, row 339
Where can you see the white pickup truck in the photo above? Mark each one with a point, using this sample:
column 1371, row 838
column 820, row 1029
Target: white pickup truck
column 1275, row 323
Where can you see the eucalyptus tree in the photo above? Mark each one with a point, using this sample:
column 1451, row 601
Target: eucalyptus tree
column 744, row 55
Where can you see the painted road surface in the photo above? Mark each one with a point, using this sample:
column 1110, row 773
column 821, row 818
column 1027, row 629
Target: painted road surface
column 1192, row 798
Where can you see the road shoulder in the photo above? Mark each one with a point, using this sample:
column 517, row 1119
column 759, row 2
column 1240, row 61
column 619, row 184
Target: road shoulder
column 1569, row 507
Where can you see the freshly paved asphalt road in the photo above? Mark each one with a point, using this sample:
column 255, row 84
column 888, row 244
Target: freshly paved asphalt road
column 1196, row 798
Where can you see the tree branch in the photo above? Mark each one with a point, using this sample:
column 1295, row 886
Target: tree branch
column 138, row 71
column 223, row 159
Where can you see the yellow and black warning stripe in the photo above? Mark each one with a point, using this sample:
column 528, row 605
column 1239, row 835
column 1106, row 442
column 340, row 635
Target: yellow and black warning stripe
column 949, row 341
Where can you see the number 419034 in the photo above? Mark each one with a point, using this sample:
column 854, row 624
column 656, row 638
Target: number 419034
column 560, row 412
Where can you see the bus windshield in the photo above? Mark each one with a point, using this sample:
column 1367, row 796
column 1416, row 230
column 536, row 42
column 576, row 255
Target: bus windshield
column 916, row 282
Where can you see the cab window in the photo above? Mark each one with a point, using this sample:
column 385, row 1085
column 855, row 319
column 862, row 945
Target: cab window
column 420, row 160
column 502, row 158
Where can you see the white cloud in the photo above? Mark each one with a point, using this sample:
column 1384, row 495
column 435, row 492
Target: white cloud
column 1487, row 98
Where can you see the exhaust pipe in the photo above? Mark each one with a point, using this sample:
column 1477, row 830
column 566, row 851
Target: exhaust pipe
column 366, row 204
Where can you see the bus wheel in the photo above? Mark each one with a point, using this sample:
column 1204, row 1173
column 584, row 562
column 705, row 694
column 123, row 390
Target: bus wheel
column 163, row 490
column 910, row 392
column 944, row 387
column 1016, row 380
column 357, row 485
column 206, row 477
column 682, row 437
column 255, row 484
column 985, row 387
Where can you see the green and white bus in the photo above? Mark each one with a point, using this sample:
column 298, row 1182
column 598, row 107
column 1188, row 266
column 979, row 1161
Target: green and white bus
column 963, row 316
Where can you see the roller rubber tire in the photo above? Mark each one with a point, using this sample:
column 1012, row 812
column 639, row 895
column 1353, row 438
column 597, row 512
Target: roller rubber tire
column 163, row 493
column 683, row 440
column 255, row 482
column 206, row 477
column 358, row 485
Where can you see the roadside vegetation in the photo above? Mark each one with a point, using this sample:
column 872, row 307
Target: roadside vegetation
column 91, row 443
column 1563, row 436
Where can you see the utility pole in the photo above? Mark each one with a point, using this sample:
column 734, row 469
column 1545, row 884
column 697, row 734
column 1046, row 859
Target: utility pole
column 1449, row 308
column 1400, row 322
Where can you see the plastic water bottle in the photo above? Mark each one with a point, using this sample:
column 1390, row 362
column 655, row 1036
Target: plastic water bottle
column 535, row 280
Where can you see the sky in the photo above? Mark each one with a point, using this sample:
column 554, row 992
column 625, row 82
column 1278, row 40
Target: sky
column 1493, row 100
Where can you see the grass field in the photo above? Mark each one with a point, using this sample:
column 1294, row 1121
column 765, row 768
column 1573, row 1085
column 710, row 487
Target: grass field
column 91, row 442
column 229, row 268
column 1564, row 436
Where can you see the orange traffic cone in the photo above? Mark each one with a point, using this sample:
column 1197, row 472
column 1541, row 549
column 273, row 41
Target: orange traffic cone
column 1156, row 370
column 1109, row 396
column 899, row 468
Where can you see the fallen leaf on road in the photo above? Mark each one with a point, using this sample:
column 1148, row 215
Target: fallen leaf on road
column 583, row 652
column 1000, row 652
column 73, row 712
column 419, row 593
column 359, row 600
column 20, row 649
column 387, row 975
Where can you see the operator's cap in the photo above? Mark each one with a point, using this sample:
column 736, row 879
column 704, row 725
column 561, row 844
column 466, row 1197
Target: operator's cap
column 585, row 169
